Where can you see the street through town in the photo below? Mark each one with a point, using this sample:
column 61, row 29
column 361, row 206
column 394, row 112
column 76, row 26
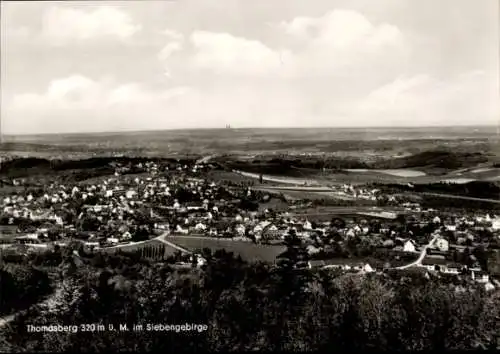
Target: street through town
column 423, row 253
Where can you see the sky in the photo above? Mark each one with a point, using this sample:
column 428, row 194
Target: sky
column 146, row 65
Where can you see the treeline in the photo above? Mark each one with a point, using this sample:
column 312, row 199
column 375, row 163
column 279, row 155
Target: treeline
column 291, row 166
column 435, row 159
column 474, row 189
column 454, row 205
column 261, row 307
column 150, row 251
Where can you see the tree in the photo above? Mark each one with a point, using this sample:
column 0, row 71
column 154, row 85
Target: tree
column 338, row 223
column 257, row 306
column 295, row 255
column 247, row 204
column 141, row 234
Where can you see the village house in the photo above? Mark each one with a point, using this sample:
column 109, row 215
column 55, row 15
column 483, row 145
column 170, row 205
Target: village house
column 442, row 245
column 409, row 246
column 495, row 224
column 479, row 276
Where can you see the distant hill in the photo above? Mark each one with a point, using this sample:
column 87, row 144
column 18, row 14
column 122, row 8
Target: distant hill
column 444, row 161
column 474, row 189
column 437, row 159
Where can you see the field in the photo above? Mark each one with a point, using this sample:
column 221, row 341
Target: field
column 247, row 251
column 368, row 142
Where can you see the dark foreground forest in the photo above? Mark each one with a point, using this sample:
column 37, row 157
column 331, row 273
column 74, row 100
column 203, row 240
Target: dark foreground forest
column 252, row 307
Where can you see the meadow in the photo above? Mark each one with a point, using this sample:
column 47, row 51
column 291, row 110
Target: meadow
column 248, row 251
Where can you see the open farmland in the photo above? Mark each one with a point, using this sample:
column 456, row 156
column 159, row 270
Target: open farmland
column 226, row 176
column 247, row 251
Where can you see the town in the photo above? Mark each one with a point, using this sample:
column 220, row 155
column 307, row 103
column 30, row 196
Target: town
column 185, row 210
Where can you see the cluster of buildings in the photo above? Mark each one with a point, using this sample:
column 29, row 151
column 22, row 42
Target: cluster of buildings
column 127, row 208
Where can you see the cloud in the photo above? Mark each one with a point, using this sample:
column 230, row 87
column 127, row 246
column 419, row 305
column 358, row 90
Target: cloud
column 169, row 49
column 342, row 29
column 172, row 35
column 63, row 25
column 79, row 103
column 327, row 45
column 340, row 69
column 345, row 40
column 224, row 53
column 423, row 100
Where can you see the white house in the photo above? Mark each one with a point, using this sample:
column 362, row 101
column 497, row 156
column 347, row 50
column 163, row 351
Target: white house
column 180, row 230
column 455, row 271
column 451, row 227
column 442, row 244
column 489, row 287
column 257, row 230
column 495, row 224
column 367, row 268
column 480, row 277
column 200, row 261
column 312, row 250
column 271, row 232
column 200, row 227
column 409, row 246
column 240, row 230
column 350, row 233
column 388, row 243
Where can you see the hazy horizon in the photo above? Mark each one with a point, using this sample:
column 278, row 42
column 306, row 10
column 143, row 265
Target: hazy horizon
column 134, row 66
column 372, row 128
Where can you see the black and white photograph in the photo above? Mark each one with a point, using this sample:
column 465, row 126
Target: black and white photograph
column 234, row 175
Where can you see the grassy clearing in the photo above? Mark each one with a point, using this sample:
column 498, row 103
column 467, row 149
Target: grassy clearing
column 248, row 251
column 222, row 176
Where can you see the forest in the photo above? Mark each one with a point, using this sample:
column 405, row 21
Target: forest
column 255, row 306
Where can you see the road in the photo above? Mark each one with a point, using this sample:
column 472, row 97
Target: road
column 161, row 238
column 130, row 244
column 205, row 159
column 423, row 253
